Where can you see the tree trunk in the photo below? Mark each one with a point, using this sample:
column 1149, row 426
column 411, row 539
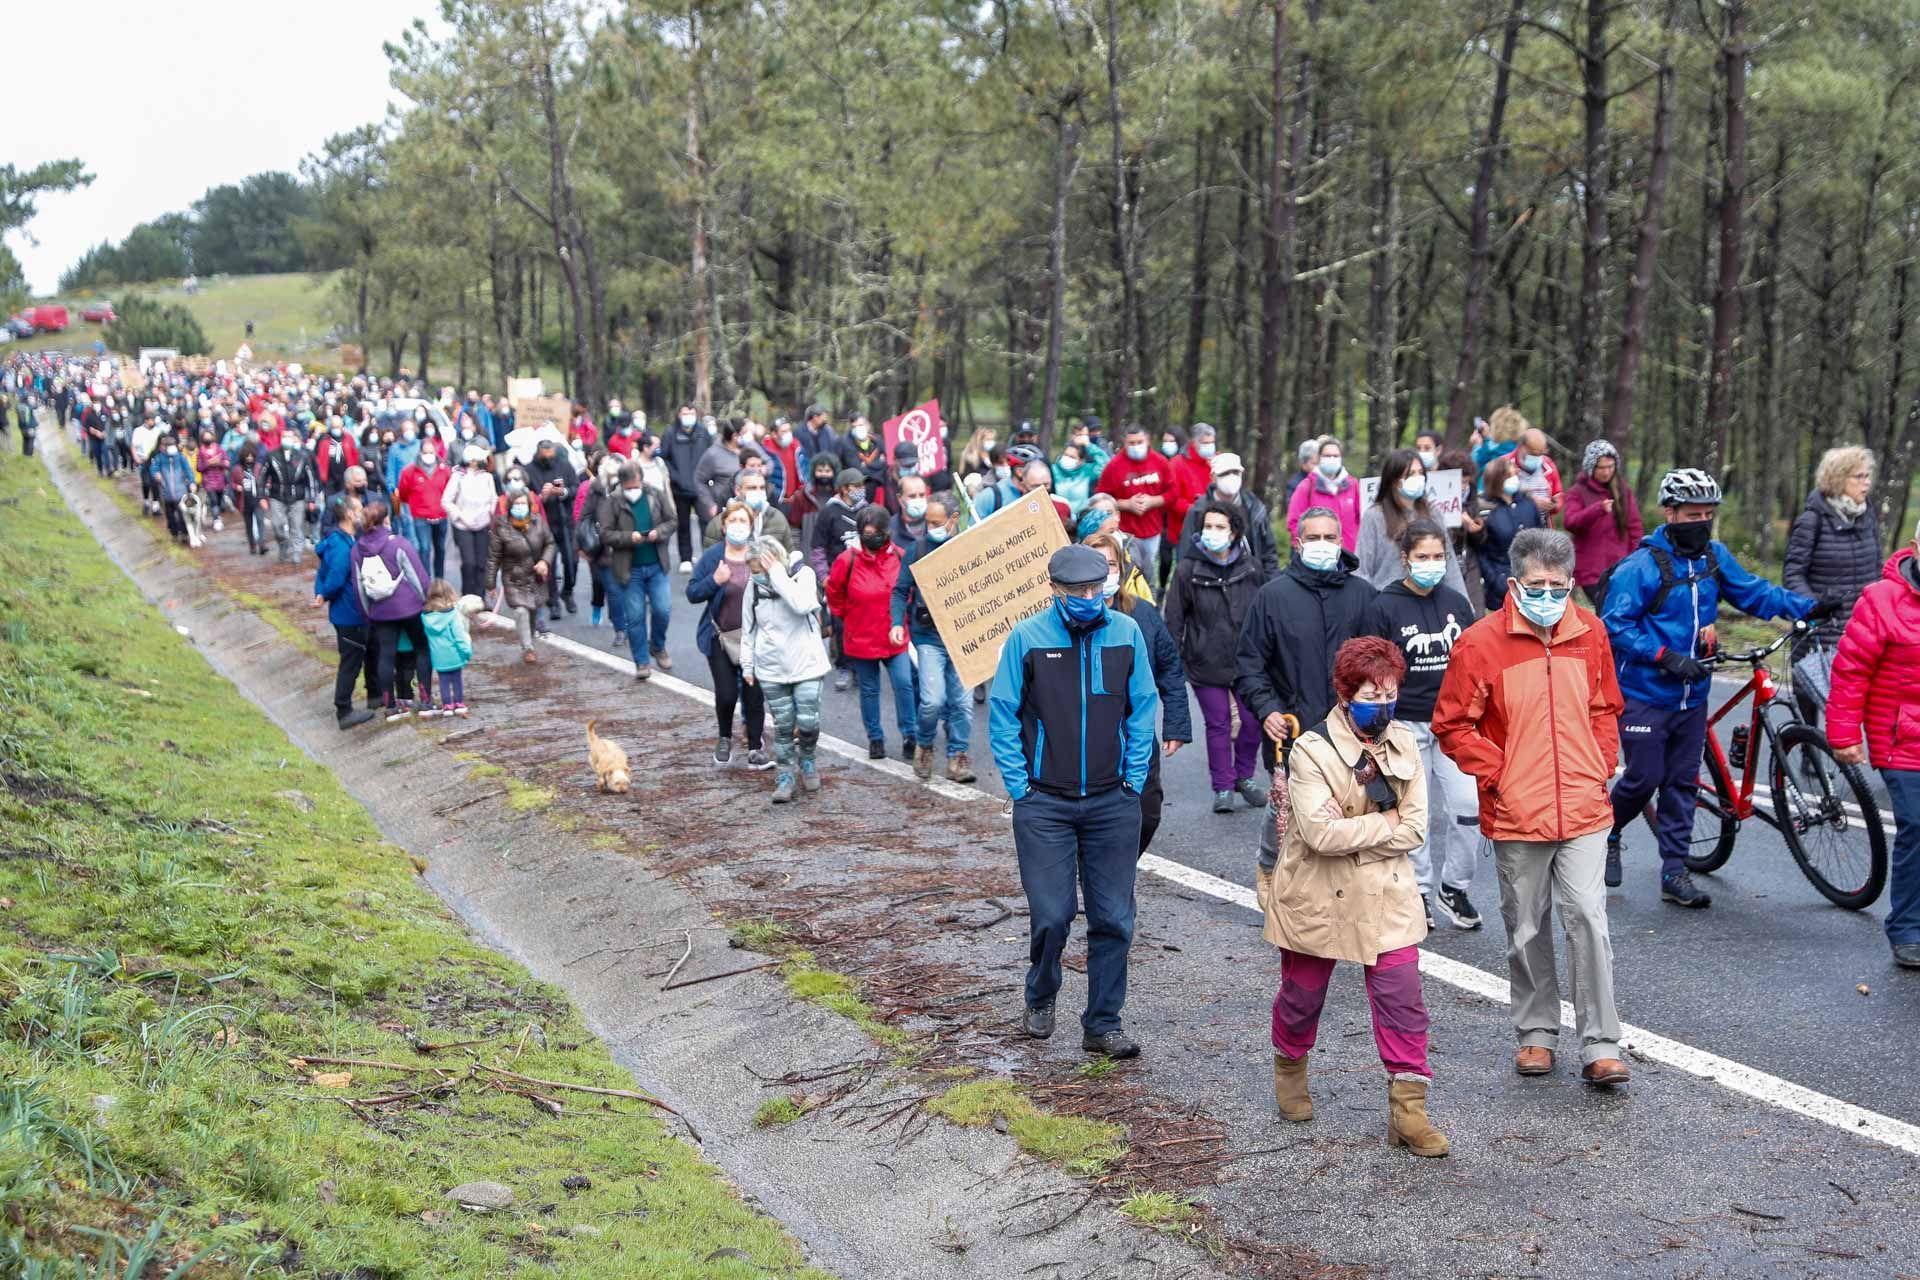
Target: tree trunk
column 1205, row 161
column 1275, row 268
column 1646, row 252
column 1383, row 424
column 1595, row 239
column 425, row 335
column 1480, row 239
column 1733, row 191
column 1066, row 162
column 1123, row 232
column 697, row 281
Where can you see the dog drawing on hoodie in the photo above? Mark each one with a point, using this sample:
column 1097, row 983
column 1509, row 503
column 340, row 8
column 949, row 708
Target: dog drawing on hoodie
column 609, row 762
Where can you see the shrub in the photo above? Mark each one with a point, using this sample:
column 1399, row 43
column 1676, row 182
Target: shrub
column 142, row 322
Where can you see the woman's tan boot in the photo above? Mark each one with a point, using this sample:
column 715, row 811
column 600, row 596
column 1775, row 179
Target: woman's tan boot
column 1290, row 1088
column 1407, row 1123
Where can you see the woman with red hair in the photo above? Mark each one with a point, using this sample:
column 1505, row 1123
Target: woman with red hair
column 1344, row 889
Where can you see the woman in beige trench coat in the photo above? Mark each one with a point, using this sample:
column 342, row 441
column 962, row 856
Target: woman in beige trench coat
column 1344, row 889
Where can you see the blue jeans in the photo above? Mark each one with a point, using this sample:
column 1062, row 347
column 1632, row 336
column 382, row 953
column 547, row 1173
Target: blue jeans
column 429, row 538
column 647, row 588
column 1903, row 898
column 941, row 691
column 900, row 675
column 615, row 595
column 1094, row 843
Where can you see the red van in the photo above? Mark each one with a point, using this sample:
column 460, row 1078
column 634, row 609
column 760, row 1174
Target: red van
column 49, row 319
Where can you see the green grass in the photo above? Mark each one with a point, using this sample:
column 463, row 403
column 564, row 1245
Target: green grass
column 777, row 1111
column 766, row 936
column 292, row 314
column 171, row 940
column 1160, row 1210
column 1082, row 1147
column 524, row 797
column 837, row 993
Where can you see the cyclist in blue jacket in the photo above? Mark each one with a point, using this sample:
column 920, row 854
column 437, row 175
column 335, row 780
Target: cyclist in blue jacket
column 1658, row 605
column 1071, row 722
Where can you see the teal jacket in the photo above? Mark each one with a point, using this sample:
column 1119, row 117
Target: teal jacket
column 448, row 643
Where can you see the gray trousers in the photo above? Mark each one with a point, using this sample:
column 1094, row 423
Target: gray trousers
column 289, row 521
column 1534, row 876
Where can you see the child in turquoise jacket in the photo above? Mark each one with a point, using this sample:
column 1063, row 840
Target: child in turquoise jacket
column 449, row 643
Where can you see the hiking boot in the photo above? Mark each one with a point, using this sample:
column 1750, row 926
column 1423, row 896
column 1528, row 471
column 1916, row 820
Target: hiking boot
column 877, row 749
column 619, row 640
column 1113, row 1043
column 1681, row 891
column 1223, row 802
column 907, row 750
column 1426, row 906
column 1252, row 793
column 1907, row 954
column 840, row 680
column 809, row 777
column 1614, row 876
column 1457, row 907
column 553, row 612
column 1533, row 1060
column 643, row 673
column 1407, row 1123
column 783, row 789
column 960, row 769
column 661, row 660
column 1038, row 1023
column 1290, row 1088
column 722, row 750
column 759, row 759
column 923, row 763
column 354, row 719
column 1604, row 1071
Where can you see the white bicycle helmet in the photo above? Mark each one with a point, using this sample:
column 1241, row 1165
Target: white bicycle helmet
column 1689, row 485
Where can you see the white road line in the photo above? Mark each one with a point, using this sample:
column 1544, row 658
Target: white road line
column 1741, row 1079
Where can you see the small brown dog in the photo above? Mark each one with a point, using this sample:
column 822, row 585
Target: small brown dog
column 608, row 760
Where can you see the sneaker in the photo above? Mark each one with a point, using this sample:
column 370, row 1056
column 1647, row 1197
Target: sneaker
column 1252, row 792
column 923, row 763
column 571, row 607
column 1114, row 1044
column 1455, row 906
column 354, row 719
column 960, row 769
column 759, row 759
column 809, row 777
column 876, row 750
column 643, row 673
column 593, row 616
column 686, row 566
column 783, row 789
column 1681, row 891
column 841, row 680
column 1038, row 1023
column 1614, row 876
column 1426, row 906
column 1223, row 801
column 399, row 710
column 619, row 640
column 907, row 750
column 661, row 660
column 979, row 694
column 529, row 657
column 723, row 750
column 553, row 612
column 218, row 524
column 460, row 709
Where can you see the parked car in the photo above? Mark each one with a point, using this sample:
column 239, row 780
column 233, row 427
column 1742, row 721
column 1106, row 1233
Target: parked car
column 98, row 313
column 22, row 325
column 405, row 406
column 50, row 319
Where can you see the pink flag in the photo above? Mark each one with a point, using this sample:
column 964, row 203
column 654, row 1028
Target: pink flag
column 920, row 424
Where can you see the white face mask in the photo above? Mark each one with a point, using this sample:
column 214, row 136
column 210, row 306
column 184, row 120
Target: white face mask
column 1429, row 459
column 519, row 510
column 939, row 533
column 686, row 419
column 738, row 531
column 861, row 431
column 1169, row 448
column 1330, row 467
column 915, row 507
column 1228, row 486
column 1320, row 555
column 1111, row 587
column 632, row 495
column 784, row 436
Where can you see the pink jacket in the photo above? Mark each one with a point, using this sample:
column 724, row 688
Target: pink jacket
column 1598, row 544
column 1312, row 492
column 1876, row 673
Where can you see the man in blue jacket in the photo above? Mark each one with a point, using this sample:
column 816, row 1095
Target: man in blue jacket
column 333, row 587
column 1071, row 723
column 1658, row 605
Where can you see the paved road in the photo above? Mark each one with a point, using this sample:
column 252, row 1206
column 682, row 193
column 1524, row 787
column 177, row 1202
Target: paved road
column 1768, row 976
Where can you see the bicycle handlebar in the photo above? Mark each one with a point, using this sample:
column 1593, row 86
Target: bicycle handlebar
column 1754, row 657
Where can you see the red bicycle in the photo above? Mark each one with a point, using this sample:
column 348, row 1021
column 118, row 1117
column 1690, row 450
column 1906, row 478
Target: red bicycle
column 1822, row 808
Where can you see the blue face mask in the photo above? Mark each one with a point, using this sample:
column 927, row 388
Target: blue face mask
column 1539, row 605
column 1081, row 611
column 1215, row 540
column 1371, row 718
column 1428, row 574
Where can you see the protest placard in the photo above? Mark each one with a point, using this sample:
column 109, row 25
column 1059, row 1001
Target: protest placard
column 989, row 578
column 1446, row 493
column 921, row 425
column 525, row 389
column 352, row 356
column 534, row 410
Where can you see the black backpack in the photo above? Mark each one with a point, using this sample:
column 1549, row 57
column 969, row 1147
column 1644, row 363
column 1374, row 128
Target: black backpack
column 1669, row 579
column 586, row 530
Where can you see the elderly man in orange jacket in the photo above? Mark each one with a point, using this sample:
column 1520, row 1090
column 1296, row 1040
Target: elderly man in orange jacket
column 1531, row 708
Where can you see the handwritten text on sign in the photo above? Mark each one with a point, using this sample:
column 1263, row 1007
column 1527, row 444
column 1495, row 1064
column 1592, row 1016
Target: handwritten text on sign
column 1443, row 496
column 987, row 579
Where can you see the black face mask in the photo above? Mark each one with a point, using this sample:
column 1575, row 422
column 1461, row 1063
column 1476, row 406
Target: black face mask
column 823, row 483
column 1690, row 539
column 873, row 539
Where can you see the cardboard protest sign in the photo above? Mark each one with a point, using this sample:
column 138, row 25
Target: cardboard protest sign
column 534, row 410
column 1446, row 494
column 352, row 357
column 988, row 578
column 920, row 424
column 197, row 365
column 525, row 389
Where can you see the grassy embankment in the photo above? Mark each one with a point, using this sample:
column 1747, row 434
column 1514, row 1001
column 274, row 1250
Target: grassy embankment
column 187, row 906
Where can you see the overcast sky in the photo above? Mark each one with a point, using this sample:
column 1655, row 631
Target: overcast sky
column 162, row 99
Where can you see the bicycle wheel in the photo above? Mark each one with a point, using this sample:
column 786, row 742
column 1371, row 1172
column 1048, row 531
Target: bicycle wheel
column 1822, row 806
column 1714, row 825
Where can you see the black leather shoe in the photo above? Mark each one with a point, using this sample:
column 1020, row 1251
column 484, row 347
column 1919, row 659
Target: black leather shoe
column 1039, row 1022
column 1907, row 954
column 568, row 601
column 1112, row 1043
column 353, row 719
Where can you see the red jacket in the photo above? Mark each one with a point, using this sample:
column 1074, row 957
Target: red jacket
column 1125, row 478
column 1193, row 476
column 860, row 593
column 422, row 492
column 585, row 432
column 1876, row 673
column 323, row 453
column 621, row 443
column 791, row 479
column 1536, row 724
column 271, row 427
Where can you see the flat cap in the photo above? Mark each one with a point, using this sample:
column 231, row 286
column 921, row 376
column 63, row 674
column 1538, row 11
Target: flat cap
column 852, row 475
column 1077, row 566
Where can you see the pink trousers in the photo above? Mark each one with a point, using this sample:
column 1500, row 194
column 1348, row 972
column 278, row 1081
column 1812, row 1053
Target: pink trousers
column 1393, row 991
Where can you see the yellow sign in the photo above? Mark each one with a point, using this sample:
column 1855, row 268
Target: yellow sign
column 983, row 582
